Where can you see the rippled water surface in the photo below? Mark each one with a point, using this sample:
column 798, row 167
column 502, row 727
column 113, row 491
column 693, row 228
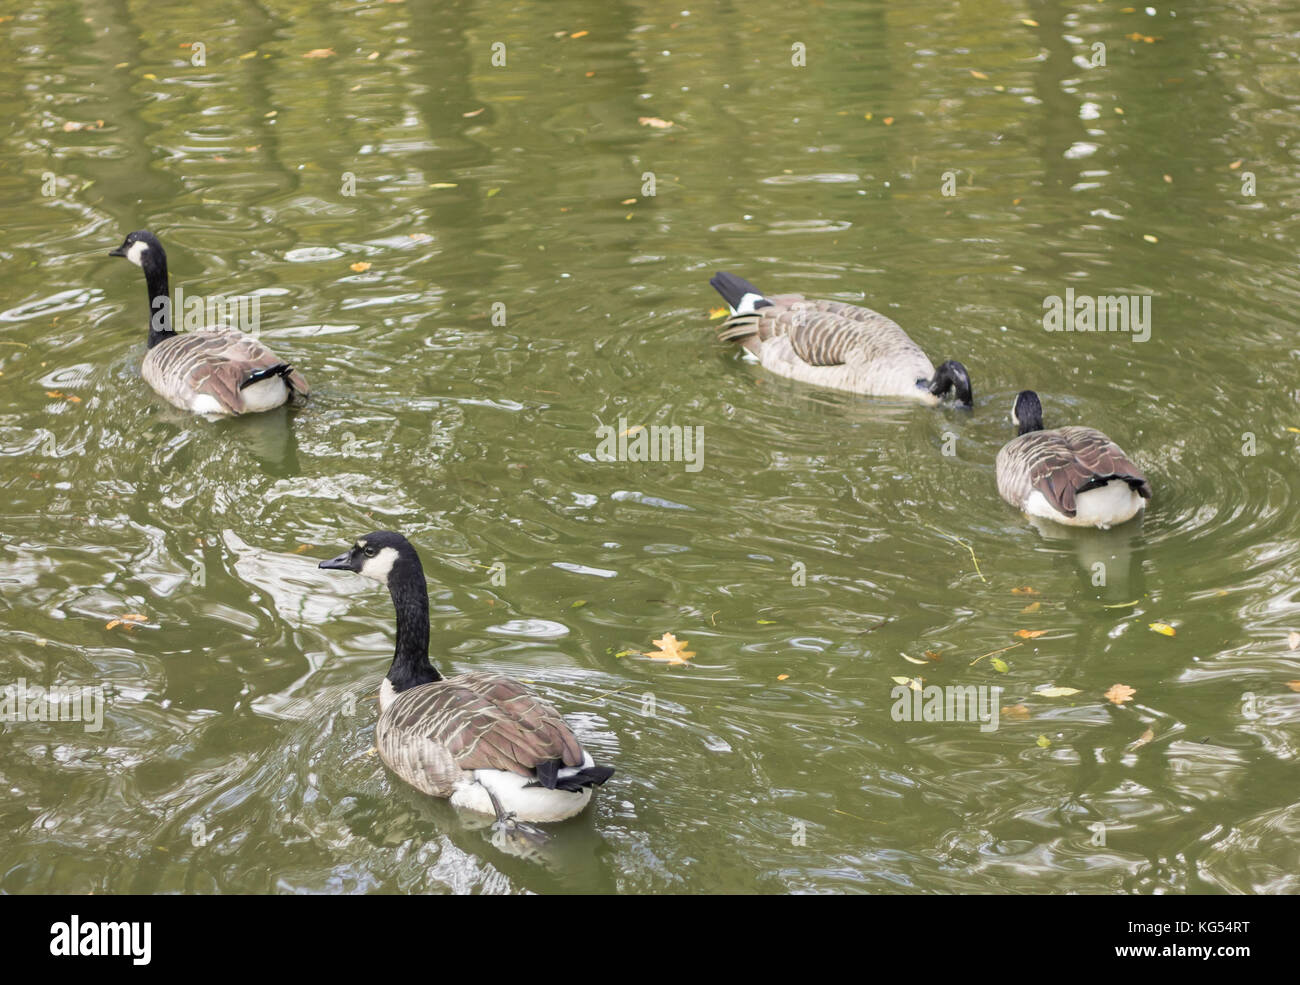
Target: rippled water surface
column 501, row 284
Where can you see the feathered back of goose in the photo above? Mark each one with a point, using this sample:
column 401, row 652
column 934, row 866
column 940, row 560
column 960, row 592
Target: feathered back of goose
column 1061, row 464
column 832, row 344
column 431, row 734
column 220, row 373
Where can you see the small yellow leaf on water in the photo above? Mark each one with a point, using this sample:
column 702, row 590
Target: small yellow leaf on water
column 473, row 113
column 978, row 75
column 1119, row 693
column 716, row 313
column 359, row 267
column 1293, row 641
column 1294, row 430
column 671, row 650
column 247, row 55
column 115, row 622
column 1057, row 692
column 1149, row 238
column 1234, row 165
column 443, row 184
column 372, row 56
column 320, row 53
column 913, row 660
column 1000, row 665
column 628, row 201
column 1017, row 713
column 866, row 116
column 579, row 34
column 1168, row 180
column 1293, row 685
column 1024, row 590
column 301, row 548
column 782, row 677
column 1142, row 740
column 1043, row 742
column 135, row 617
column 1030, row 634
column 1031, row 607
column 1028, row 22
column 888, row 121
column 1163, row 628
column 150, row 76
column 655, row 122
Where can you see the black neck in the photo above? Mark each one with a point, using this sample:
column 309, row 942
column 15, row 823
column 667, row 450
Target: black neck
column 1032, row 424
column 411, row 664
column 160, row 303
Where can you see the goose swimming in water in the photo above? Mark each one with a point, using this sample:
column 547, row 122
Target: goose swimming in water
column 1073, row 475
column 834, row 344
column 214, row 373
column 480, row 739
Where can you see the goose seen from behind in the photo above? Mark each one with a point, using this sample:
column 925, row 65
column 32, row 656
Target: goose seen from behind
column 217, row 373
column 1073, row 475
column 479, row 739
column 835, row 344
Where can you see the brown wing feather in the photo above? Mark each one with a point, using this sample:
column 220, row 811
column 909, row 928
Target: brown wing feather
column 822, row 333
column 486, row 722
column 1063, row 462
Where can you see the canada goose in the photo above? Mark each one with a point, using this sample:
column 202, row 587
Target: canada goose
column 834, row 344
column 1073, row 475
column 214, row 373
column 480, row 739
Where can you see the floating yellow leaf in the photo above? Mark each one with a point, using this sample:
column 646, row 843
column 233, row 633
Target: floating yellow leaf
column 247, row 55
column 579, row 34
column 443, row 184
column 372, row 56
column 1119, row 693
column 360, row 267
column 1293, row 685
column 1234, row 165
column 671, row 650
column 1017, row 713
column 1032, row 607
column 628, row 201
column 1142, row 740
column 716, row 313
column 1149, row 238
column 320, row 53
column 1030, row 634
column 911, row 682
column 473, row 113
column 1000, row 665
column 1057, row 692
column 1024, row 590
column 1293, row 641
column 888, row 121
column 978, row 75
column 1163, row 628
column 782, row 677
column 1028, row 23
column 1043, row 742
column 654, row 121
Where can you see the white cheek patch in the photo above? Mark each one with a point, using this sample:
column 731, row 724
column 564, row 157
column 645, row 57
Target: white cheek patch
column 380, row 565
column 1015, row 420
column 136, row 253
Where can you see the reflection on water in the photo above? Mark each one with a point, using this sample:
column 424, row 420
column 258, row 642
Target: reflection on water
column 522, row 289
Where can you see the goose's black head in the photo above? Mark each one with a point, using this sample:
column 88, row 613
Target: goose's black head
column 143, row 249
column 1027, row 412
column 382, row 556
column 952, row 376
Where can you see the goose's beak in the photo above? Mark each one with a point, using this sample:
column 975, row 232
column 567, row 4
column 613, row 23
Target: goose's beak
column 341, row 563
column 119, row 252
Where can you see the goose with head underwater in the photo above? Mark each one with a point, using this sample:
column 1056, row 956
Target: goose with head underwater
column 214, row 373
column 1073, row 475
column 479, row 739
column 835, row 344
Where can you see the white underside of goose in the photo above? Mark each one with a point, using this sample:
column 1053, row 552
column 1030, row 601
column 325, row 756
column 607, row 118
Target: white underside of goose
column 261, row 396
column 527, row 803
column 1108, row 505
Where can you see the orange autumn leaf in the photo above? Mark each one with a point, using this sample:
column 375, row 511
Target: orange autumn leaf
column 1016, row 713
column 782, row 677
column 671, row 649
column 359, row 267
column 1119, row 693
column 1030, row 634
column 888, row 121
column 1032, row 607
column 978, row 75
column 1293, row 685
column 1024, row 590
column 579, row 34
column 716, row 313
column 320, row 53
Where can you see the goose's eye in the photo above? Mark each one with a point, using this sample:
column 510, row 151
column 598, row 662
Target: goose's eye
column 369, row 552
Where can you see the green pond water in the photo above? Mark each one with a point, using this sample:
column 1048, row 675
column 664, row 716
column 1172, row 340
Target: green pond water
column 538, row 267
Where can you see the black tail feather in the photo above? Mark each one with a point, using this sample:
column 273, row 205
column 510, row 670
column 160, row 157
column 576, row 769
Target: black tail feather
column 548, row 776
column 1135, row 482
column 279, row 369
column 733, row 288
